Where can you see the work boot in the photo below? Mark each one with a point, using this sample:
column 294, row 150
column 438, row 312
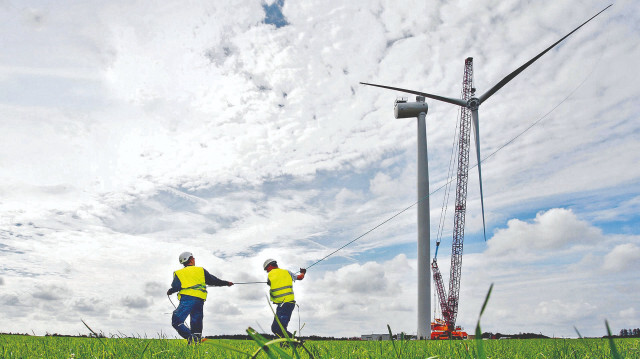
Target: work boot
column 194, row 340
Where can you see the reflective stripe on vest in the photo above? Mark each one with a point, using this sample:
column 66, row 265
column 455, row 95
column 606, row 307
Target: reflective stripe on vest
column 281, row 286
column 192, row 281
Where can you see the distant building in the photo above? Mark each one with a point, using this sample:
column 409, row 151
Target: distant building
column 376, row 337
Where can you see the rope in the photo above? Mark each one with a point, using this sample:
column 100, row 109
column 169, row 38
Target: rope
column 174, row 306
column 476, row 165
column 234, row 283
column 299, row 322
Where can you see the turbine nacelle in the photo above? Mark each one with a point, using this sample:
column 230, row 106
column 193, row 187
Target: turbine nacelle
column 404, row 109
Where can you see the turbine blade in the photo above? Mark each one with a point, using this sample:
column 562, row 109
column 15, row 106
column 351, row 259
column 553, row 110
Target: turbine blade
column 476, row 130
column 515, row 73
column 455, row 101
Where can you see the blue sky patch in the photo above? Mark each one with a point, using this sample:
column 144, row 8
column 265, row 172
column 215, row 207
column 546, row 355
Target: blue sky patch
column 273, row 14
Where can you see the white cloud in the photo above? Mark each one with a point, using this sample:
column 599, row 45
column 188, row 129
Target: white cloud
column 51, row 292
column 90, row 306
column 356, row 279
column 628, row 313
column 11, row 300
column 382, row 184
column 360, row 290
column 622, row 257
column 154, row 289
column 226, row 309
column 136, row 302
column 560, row 310
column 554, row 229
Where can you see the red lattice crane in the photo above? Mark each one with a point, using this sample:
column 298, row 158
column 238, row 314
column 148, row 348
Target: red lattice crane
column 445, row 328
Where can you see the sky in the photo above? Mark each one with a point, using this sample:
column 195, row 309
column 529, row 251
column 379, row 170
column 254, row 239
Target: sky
column 237, row 130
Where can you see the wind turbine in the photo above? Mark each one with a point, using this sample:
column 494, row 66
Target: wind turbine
column 473, row 104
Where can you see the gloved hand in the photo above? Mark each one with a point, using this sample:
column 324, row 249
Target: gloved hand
column 303, row 270
column 169, row 292
column 229, row 284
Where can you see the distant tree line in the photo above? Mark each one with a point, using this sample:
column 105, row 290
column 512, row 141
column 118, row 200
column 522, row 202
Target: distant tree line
column 489, row 335
column 271, row 336
column 630, row 333
column 10, row 333
column 75, row 336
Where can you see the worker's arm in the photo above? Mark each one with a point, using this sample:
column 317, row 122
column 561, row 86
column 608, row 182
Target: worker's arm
column 175, row 285
column 212, row 280
column 302, row 273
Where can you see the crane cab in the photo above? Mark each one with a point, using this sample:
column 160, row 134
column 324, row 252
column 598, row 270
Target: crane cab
column 440, row 331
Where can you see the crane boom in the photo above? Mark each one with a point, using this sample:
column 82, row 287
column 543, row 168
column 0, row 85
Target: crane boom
column 449, row 304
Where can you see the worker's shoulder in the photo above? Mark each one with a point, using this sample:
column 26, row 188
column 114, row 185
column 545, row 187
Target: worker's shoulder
column 190, row 268
column 283, row 270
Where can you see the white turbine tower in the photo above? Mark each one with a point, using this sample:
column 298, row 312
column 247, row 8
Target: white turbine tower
column 424, row 287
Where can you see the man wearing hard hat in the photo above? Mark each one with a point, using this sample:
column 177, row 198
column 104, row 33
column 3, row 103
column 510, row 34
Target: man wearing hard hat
column 191, row 284
column 281, row 293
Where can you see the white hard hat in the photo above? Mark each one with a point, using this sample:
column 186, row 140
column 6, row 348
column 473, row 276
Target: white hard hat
column 184, row 257
column 267, row 262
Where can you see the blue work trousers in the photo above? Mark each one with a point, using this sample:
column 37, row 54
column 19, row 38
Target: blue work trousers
column 283, row 313
column 192, row 307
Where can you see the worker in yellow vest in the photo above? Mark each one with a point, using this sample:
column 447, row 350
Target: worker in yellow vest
column 281, row 293
column 191, row 284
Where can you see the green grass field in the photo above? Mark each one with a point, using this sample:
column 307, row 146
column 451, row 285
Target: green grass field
column 14, row 346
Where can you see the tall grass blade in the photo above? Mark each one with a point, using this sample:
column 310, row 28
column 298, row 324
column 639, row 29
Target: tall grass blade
column 291, row 341
column 283, row 330
column 612, row 345
column 479, row 343
column 579, row 335
column 403, row 343
column 486, row 300
column 393, row 342
column 97, row 336
column 271, row 350
column 145, row 349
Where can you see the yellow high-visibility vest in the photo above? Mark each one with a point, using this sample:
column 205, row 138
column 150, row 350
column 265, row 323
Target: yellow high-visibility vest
column 192, row 280
column 281, row 286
